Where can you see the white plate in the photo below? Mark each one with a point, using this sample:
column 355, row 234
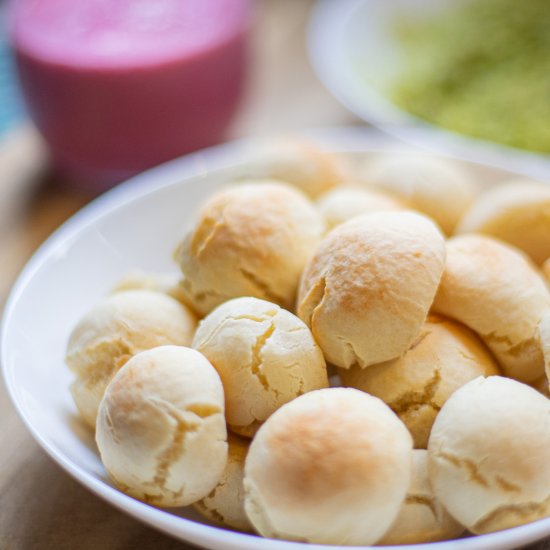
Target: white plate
column 136, row 225
column 355, row 54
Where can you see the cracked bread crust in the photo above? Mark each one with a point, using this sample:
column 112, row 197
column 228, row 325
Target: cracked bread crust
column 498, row 293
column 489, row 452
column 422, row 517
column 517, row 212
column 265, row 357
column 224, row 505
column 249, row 240
column 161, row 429
column 330, row 467
column 444, row 357
column 120, row 326
column 367, row 290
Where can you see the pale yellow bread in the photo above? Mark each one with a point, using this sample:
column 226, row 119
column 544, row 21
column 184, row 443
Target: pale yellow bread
column 440, row 188
column 344, row 203
column 297, row 162
column 422, row 517
column 331, row 467
column 161, row 429
column 265, row 357
column 489, row 453
column 517, row 212
column 249, row 240
column 443, row 358
column 120, row 326
column 367, row 290
column 496, row 291
column 224, row 505
column 167, row 283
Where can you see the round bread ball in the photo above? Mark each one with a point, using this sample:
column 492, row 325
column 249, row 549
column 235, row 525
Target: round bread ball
column 494, row 289
column 438, row 187
column 299, row 163
column 344, row 203
column 167, row 283
column 161, row 429
column 367, row 290
column 489, row 453
column 422, row 517
column 517, row 213
column 265, row 357
column 225, row 503
column 249, row 240
column 443, row 358
column 120, row 326
column 331, row 467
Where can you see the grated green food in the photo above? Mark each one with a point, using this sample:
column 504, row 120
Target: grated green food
column 481, row 69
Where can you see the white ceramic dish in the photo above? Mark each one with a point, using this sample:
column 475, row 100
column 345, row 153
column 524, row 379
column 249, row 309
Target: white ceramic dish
column 354, row 51
column 137, row 225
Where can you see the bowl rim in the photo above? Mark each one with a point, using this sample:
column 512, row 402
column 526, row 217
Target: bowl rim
column 183, row 171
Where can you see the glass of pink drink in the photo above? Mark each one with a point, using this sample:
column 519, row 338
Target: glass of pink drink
column 118, row 86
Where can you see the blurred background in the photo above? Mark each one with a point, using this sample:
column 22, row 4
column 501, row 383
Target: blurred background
column 280, row 93
column 85, row 104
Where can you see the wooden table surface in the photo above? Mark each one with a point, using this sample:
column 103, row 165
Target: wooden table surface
column 41, row 507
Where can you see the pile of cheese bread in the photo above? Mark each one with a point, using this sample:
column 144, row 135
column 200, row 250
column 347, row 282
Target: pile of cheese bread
column 354, row 353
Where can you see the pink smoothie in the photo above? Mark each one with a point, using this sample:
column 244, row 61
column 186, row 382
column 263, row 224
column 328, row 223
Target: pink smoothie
column 117, row 86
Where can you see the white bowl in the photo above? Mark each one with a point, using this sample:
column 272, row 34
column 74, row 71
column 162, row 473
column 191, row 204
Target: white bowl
column 354, row 52
column 136, row 225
